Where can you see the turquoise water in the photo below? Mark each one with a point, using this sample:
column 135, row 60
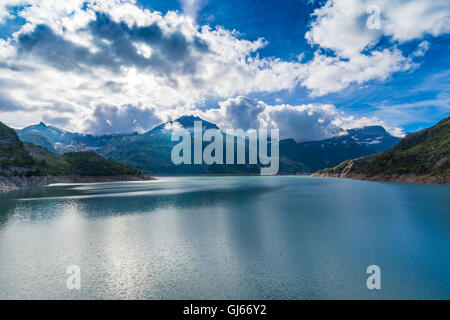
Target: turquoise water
column 226, row 238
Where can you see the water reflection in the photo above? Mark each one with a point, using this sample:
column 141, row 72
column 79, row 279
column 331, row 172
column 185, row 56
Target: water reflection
column 224, row 238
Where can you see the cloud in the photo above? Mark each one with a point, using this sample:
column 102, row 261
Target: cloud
column 84, row 54
column 422, row 48
column 8, row 104
column 116, row 47
column 4, row 12
column 340, row 27
column 308, row 122
column 240, row 113
column 192, row 7
column 332, row 74
column 114, row 53
column 128, row 118
column 407, row 20
column 61, row 122
column 303, row 123
column 55, row 50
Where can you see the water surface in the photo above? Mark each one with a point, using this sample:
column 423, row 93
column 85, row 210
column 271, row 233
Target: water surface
column 226, row 238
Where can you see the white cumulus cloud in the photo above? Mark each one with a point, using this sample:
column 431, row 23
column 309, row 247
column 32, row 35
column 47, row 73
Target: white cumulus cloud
column 75, row 57
column 306, row 122
column 341, row 27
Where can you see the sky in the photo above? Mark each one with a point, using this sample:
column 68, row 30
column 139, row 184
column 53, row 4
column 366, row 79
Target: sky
column 308, row 67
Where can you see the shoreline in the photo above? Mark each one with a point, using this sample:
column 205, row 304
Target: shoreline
column 19, row 182
column 96, row 179
column 398, row 178
column 231, row 175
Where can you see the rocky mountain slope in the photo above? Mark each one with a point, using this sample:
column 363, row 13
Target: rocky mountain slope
column 354, row 143
column 420, row 157
column 60, row 141
column 26, row 164
column 151, row 151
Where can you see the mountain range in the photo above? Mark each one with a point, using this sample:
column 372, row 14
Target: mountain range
column 423, row 156
column 24, row 163
column 59, row 141
column 151, row 151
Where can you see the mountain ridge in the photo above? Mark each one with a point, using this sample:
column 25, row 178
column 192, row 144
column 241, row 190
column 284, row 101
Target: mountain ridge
column 332, row 151
column 23, row 164
column 150, row 151
column 422, row 157
column 60, row 141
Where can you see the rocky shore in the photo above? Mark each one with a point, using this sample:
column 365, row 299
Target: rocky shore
column 94, row 179
column 410, row 178
column 17, row 182
column 421, row 157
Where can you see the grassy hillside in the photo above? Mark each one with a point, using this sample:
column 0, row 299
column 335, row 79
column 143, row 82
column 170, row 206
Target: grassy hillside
column 19, row 159
column 91, row 164
column 77, row 163
column 425, row 155
column 13, row 156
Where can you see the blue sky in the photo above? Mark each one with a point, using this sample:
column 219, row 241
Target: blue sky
column 270, row 60
column 284, row 24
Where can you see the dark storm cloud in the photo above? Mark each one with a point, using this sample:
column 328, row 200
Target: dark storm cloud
column 111, row 119
column 57, row 51
column 171, row 53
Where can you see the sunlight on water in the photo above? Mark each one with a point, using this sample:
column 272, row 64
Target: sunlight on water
column 225, row 238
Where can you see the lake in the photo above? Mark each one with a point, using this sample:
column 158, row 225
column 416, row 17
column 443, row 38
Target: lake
column 282, row 237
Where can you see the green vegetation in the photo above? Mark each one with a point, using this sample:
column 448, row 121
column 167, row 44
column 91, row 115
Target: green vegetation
column 12, row 151
column 91, row 164
column 25, row 159
column 425, row 153
column 77, row 163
